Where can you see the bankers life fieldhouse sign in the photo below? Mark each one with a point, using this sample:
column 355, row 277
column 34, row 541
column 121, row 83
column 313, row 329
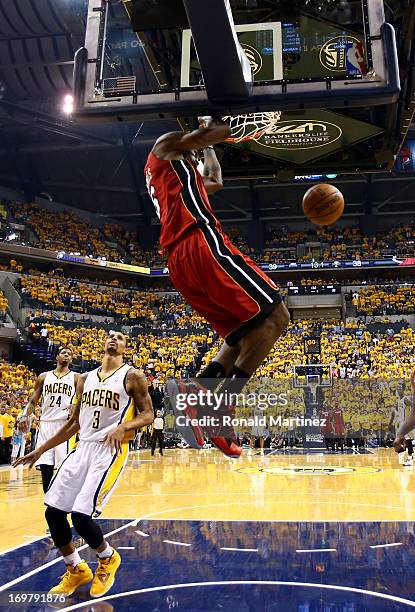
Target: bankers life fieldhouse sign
column 300, row 135
column 314, row 134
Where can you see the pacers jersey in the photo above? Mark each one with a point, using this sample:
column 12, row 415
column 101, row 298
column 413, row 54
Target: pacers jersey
column 105, row 404
column 179, row 196
column 58, row 394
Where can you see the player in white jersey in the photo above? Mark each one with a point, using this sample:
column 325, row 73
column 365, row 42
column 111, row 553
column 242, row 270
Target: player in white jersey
column 57, row 389
column 405, row 424
column 105, row 416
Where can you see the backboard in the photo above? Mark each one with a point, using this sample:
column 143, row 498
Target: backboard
column 306, row 58
column 313, row 374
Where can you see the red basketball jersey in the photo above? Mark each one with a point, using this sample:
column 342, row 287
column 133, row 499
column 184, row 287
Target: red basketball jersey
column 327, row 428
column 179, row 196
column 338, row 422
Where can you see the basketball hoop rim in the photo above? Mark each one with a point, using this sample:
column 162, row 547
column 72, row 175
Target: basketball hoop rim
column 267, row 119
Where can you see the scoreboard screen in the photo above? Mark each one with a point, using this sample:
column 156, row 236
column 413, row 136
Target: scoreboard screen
column 312, row 345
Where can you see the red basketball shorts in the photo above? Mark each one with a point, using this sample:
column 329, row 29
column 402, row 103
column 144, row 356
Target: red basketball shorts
column 222, row 284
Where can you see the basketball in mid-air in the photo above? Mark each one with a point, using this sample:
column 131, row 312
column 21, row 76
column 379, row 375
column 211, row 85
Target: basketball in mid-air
column 323, row 204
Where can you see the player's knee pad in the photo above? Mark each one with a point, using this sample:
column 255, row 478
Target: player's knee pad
column 410, row 446
column 60, row 530
column 87, row 529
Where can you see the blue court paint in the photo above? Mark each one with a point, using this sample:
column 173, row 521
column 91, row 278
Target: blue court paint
column 273, row 559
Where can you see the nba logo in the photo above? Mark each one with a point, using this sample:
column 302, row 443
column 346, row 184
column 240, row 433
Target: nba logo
column 355, row 58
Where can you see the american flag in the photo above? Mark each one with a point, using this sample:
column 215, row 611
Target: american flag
column 119, row 85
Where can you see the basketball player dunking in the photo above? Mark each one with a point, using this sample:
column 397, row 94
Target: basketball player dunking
column 223, row 285
column 104, row 415
column 57, row 388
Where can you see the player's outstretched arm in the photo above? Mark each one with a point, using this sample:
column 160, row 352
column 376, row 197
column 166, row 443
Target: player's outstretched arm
column 212, row 172
column 137, row 388
column 66, row 432
column 33, row 401
column 173, row 144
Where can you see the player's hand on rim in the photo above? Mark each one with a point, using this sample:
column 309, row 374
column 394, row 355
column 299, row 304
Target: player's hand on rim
column 399, row 445
column 114, row 439
column 31, row 458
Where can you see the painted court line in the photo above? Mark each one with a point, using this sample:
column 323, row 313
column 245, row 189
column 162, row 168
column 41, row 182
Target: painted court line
column 13, row 548
column 151, row 515
column 311, row 550
column 176, row 543
column 4, row 587
column 329, row 587
column 125, row 547
column 386, row 545
column 240, row 549
column 141, row 533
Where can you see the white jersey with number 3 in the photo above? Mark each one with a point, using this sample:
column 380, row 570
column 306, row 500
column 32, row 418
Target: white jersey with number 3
column 58, row 394
column 105, row 404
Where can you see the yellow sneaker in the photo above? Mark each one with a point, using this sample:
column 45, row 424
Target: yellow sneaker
column 73, row 578
column 105, row 575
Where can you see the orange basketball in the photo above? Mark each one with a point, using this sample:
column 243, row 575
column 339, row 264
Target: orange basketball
column 323, row 204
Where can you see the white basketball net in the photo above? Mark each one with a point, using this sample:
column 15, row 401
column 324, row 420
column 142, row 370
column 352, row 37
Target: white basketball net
column 254, row 125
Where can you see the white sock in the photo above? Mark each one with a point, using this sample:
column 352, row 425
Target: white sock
column 73, row 559
column 107, row 552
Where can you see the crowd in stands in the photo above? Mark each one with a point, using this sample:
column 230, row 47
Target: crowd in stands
column 160, row 356
column 334, row 243
column 135, row 254
column 362, row 360
column 3, row 306
column 63, row 231
column 16, row 386
column 168, row 311
column 369, row 368
column 346, row 242
column 354, row 351
column 384, row 300
column 147, row 309
column 388, row 278
column 69, row 232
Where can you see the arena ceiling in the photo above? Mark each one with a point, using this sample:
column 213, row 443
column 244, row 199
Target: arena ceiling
column 99, row 167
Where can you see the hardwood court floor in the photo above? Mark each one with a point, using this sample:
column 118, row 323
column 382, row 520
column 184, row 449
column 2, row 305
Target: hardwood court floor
column 205, row 485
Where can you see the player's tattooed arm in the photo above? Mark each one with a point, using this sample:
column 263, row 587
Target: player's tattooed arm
column 212, row 172
column 137, row 388
column 174, row 144
column 66, row 432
